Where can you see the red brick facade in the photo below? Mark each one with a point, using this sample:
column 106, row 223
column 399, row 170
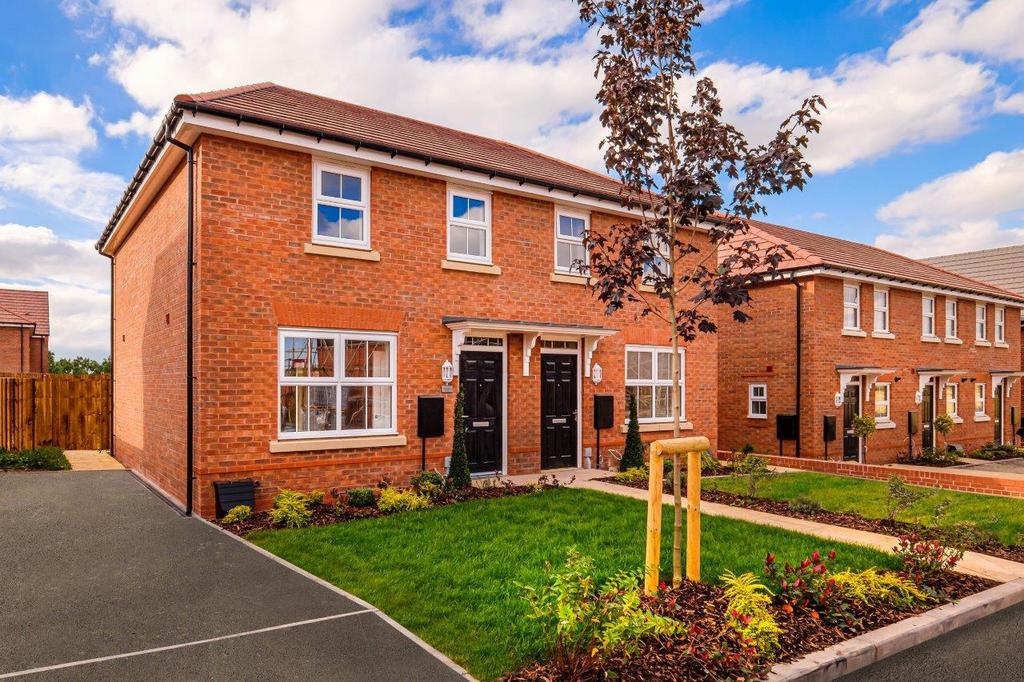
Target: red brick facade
column 254, row 276
column 764, row 351
column 20, row 351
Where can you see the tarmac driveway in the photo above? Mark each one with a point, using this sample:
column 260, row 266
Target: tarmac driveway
column 103, row 580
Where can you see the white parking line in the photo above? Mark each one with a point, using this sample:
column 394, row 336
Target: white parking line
column 143, row 652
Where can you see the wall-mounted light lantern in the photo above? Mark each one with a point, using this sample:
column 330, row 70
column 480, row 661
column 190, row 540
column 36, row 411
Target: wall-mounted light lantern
column 447, row 372
column 596, row 373
column 838, row 399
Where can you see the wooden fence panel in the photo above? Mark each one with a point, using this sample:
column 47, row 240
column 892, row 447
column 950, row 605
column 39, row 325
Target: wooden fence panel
column 71, row 412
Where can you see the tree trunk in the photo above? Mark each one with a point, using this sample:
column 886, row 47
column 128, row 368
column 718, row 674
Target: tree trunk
column 677, row 486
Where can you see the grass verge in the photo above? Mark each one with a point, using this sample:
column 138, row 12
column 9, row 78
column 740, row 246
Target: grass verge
column 449, row 574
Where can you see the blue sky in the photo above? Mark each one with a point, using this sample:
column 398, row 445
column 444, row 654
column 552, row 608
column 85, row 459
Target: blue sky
column 922, row 150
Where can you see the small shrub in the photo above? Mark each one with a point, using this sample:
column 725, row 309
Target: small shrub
column 939, row 456
column 874, row 587
column 755, row 470
column 634, row 475
column 901, row 497
column 459, row 474
column 237, row 514
column 943, row 425
column 992, row 452
column 394, row 500
column 805, row 505
column 315, row 498
column 633, row 452
column 711, row 464
column 361, row 497
column 747, row 449
column 290, row 510
column 45, row 458
column 581, row 619
column 430, row 484
column 807, row 587
column 749, row 613
column 926, row 561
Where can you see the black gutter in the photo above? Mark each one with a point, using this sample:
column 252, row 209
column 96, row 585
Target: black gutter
column 190, row 265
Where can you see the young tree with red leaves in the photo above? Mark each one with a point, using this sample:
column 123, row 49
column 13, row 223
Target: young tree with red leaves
column 685, row 171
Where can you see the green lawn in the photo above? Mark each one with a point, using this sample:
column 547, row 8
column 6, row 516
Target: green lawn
column 449, row 574
column 1002, row 515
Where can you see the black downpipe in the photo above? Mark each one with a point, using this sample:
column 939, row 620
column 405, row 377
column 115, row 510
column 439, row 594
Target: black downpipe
column 189, row 275
column 799, row 353
column 110, row 430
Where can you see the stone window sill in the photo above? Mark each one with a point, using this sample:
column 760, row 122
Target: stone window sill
column 1001, row 345
column 982, row 342
column 882, row 424
column 344, row 443
column 480, row 268
column 956, row 419
column 954, row 340
column 982, row 418
column 854, row 332
column 569, row 278
column 931, row 339
column 883, row 335
column 657, row 427
column 341, row 252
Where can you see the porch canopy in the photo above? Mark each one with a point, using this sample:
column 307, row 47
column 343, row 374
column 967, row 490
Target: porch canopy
column 1004, row 377
column 942, row 374
column 532, row 331
column 871, row 373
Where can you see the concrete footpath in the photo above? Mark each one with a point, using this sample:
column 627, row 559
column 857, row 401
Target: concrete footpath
column 973, row 563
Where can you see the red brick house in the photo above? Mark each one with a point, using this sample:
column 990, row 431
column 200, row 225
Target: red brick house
column 879, row 334
column 24, row 330
column 344, row 259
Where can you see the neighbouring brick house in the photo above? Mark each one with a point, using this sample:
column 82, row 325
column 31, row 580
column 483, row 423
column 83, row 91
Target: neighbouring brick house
column 24, row 330
column 343, row 255
column 881, row 334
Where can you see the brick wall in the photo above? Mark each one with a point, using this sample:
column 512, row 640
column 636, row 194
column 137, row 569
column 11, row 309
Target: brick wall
column 16, row 350
column 149, row 343
column 255, row 218
column 764, row 351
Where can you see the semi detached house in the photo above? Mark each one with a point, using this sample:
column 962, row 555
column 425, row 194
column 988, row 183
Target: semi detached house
column 849, row 329
column 345, row 260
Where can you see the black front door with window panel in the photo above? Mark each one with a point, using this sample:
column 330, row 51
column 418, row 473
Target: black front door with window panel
column 928, row 416
column 480, row 378
column 997, row 416
column 851, row 409
column 558, row 410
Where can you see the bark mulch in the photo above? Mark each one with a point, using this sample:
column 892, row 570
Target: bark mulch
column 843, row 519
column 712, row 650
column 340, row 511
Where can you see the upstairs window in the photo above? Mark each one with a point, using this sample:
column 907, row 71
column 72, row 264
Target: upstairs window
column 952, row 399
column 469, row 225
column 981, row 322
column 1000, row 325
column 342, row 201
column 928, row 316
column 757, row 401
column 569, row 249
column 649, row 379
column 951, row 330
column 881, row 310
column 851, row 306
column 658, row 265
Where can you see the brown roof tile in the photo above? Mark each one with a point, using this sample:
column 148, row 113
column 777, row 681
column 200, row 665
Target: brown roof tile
column 810, row 249
column 23, row 306
column 1000, row 266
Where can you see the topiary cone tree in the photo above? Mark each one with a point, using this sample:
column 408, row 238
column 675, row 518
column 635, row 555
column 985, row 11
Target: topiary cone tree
column 633, row 453
column 458, row 469
column 690, row 178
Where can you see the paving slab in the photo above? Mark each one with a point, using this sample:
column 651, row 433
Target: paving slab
column 96, row 565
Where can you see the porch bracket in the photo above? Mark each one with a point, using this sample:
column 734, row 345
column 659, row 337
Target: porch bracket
column 589, row 346
column 529, row 341
column 1006, row 379
column 458, row 337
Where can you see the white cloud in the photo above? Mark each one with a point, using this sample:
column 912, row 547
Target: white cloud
column 137, row 124
column 992, row 29
column 46, row 120
column 875, row 106
column 523, row 24
column 977, row 208
column 1011, row 104
column 64, row 184
column 714, row 9
column 76, row 276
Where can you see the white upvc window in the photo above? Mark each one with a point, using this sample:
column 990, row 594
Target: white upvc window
column 881, row 310
column 979, row 400
column 658, row 266
column 341, row 200
column 882, row 402
column 953, row 399
column 851, row 306
column 570, row 226
column 1000, row 325
column 336, row 383
column 757, row 401
column 928, row 316
column 469, row 225
column 951, row 328
column 649, row 379
column 981, row 322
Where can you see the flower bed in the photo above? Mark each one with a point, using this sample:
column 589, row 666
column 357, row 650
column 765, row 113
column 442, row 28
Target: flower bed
column 995, row 453
column 45, row 458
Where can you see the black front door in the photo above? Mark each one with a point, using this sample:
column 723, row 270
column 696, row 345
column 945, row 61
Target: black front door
column 480, row 378
column 851, row 409
column 928, row 416
column 997, row 416
column 557, row 410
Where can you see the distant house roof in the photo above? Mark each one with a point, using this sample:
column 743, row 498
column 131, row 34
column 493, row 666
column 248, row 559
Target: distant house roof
column 23, row 306
column 301, row 112
column 1003, row 267
column 812, row 250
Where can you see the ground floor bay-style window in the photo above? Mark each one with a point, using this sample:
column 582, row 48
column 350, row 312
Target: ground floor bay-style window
column 336, row 383
column 649, row 380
